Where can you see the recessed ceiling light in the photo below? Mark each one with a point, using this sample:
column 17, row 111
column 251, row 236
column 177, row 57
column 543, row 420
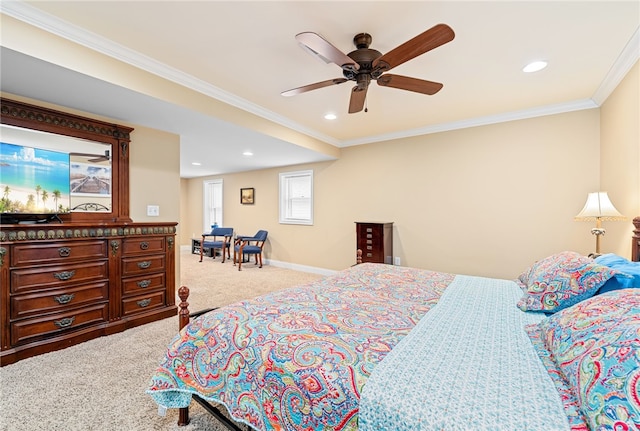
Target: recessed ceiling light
column 535, row 66
column 330, row 116
column 247, row 153
column 196, row 164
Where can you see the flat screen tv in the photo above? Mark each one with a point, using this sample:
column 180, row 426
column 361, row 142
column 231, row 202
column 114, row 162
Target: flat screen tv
column 34, row 183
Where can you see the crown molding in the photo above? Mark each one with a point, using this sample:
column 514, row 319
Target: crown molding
column 480, row 121
column 35, row 17
column 51, row 24
column 625, row 61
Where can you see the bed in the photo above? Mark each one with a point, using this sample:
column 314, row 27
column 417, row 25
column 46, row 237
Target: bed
column 379, row 347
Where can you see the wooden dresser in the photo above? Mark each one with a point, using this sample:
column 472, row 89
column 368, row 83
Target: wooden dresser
column 63, row 284
column 375, row 239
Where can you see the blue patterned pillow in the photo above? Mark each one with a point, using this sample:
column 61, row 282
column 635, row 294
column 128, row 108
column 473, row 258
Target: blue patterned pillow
column 596, row 347
column 561, row 280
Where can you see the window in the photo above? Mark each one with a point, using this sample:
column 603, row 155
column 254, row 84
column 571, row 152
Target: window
column 212, row 204
column 296, row 197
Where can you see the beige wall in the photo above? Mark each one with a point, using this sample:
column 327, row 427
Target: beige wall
column 487, row 200
column 154, row 174
column 620, row 154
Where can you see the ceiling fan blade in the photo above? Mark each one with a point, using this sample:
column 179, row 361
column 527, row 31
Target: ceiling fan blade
column 409, row 84
column 434, row 37
column 96, row 158
column 358, row 97
column 322, row 48
column 315, row 86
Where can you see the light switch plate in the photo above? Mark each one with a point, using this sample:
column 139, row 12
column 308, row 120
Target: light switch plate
column 153, row 210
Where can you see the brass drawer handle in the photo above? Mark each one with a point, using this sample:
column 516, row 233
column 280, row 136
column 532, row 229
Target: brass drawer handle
column 144, row 265
column 64, row 275
column 64, row 323
column 144, row 245
column 63, row 299
column 144, row 302
column 115, row 245
column 64, row 251
column 143, row 283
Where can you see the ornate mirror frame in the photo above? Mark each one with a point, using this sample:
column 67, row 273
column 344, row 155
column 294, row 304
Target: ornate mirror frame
column 34, row 117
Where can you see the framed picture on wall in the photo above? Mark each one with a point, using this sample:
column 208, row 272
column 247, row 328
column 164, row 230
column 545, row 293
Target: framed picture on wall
column 247, row 196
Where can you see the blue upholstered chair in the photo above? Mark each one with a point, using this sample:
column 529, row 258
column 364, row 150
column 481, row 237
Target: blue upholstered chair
column 249, row 245
column 219, row 238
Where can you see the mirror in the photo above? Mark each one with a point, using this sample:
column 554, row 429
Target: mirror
column 56, row 163
column 90, row 181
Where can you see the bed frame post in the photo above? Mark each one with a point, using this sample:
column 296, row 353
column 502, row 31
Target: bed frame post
column 183, row 318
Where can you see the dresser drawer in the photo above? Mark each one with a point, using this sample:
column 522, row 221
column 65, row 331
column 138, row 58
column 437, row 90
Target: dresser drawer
column 375, row 241
column 58, row 300
column 143, row 246
column 142, row 265
column 142, row 303
column 373, row 232
column 143, row 283
column 29, row 329
column 48, row 277
column 369, row 243
column 41, row 254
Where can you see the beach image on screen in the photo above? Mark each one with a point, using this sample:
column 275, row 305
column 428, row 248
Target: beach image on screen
column 33, row 180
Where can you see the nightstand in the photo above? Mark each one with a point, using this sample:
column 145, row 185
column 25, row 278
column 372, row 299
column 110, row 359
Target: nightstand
column 195, row 248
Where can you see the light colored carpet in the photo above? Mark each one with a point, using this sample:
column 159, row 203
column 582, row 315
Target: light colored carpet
column 100, row 385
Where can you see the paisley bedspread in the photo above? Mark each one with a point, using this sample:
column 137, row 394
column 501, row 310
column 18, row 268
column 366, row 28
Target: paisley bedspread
column 298, row 359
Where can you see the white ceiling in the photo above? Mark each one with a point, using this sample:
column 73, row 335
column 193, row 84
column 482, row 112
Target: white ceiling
column 245, row 54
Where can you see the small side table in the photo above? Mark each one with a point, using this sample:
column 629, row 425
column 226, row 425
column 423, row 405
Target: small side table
column 195, row 248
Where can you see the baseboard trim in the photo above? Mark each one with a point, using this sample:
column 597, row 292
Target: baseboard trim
column 280, row 264
column 298, row 267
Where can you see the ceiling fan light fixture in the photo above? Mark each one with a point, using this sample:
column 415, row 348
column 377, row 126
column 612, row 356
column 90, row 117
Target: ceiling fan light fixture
column 534, row 66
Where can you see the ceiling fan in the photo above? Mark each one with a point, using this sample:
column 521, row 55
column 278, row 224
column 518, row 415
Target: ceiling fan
column 95, row 158
column 364, row 64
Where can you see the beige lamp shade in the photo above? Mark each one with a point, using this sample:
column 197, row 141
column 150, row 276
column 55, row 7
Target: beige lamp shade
column 599, row 207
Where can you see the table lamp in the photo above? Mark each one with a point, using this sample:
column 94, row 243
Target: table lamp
column 598, row 208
